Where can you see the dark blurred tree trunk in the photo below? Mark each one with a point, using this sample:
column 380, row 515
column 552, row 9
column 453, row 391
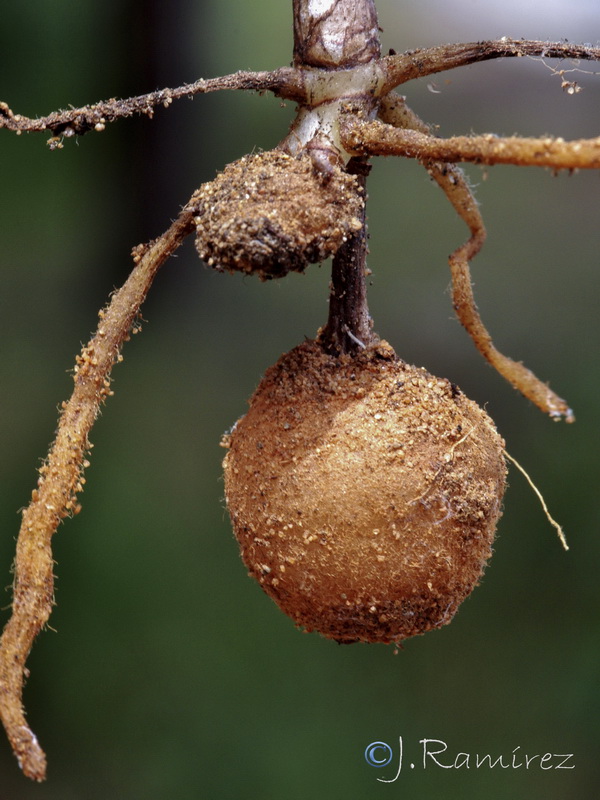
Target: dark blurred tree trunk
column 159, row 55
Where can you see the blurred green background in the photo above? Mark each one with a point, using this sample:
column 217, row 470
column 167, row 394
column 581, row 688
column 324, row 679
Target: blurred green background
column 168, row 672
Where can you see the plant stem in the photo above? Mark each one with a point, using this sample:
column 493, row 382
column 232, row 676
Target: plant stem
column 349, row 327
column 336, row 34
column 336, row 37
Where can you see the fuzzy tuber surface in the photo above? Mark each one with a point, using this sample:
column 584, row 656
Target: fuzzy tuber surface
column 271, row 213
column 364, row 493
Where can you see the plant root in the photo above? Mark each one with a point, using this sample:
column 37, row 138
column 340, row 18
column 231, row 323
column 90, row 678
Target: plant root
column 61, row 478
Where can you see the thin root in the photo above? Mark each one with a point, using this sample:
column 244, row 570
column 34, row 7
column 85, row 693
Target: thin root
column 552, row 521
column 454, row 184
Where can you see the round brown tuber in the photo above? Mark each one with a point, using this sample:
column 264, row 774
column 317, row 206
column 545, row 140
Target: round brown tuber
column 364, row 493
column 270, row 213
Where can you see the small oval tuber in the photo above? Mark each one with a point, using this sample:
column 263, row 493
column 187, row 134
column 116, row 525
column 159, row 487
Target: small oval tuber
column 271, row 213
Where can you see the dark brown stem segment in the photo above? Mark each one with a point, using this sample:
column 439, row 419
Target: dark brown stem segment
column 61, row 478
column 349, row 327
